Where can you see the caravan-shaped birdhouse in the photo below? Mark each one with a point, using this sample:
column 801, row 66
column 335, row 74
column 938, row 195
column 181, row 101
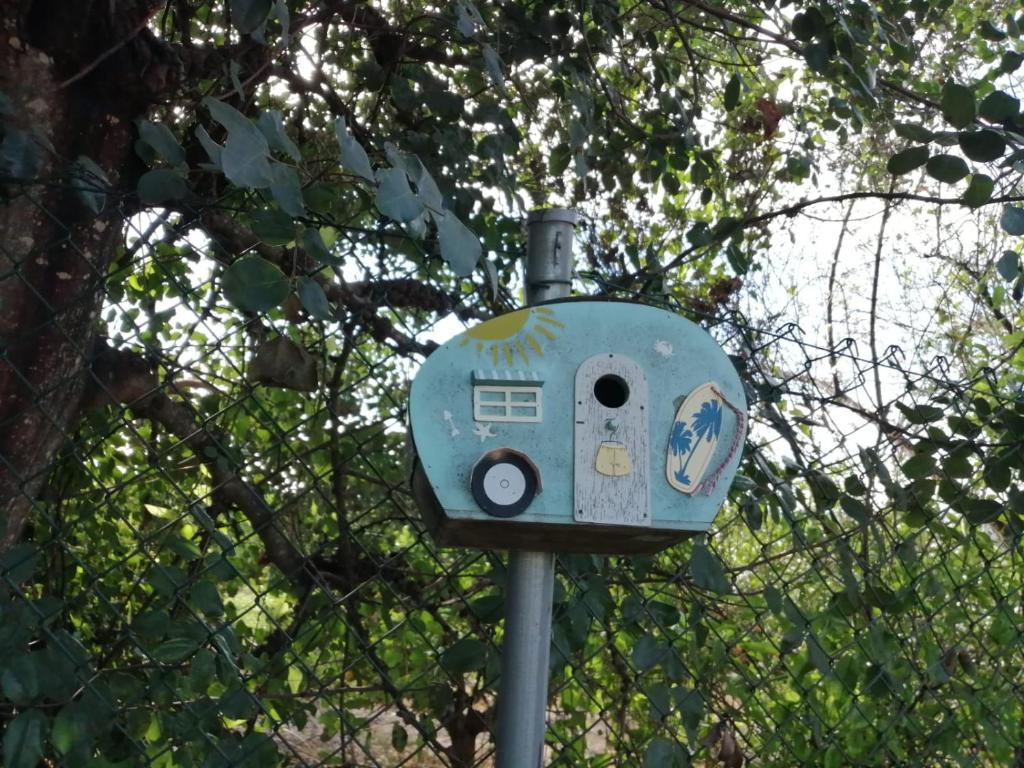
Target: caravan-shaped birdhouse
column 576, row 426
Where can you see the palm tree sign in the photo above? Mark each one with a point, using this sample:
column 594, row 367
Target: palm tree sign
column 680, row 442
column 707, row 423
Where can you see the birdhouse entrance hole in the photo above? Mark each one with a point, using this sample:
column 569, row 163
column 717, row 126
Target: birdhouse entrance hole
column 611, row 391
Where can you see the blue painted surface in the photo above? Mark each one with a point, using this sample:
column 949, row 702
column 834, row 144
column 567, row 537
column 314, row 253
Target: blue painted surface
column 550, row 342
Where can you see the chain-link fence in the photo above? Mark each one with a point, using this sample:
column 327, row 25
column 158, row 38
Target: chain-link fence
column 223, row 565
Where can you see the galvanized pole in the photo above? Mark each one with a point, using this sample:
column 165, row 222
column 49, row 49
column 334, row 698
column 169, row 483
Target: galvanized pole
column 525, row 658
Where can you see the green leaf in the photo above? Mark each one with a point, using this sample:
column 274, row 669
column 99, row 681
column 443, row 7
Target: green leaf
column 659, row 753
column 163, row 142
column 459, row 246
column 990, row 31
column 399, row 737
column 175, row 650
column 948, row 169
column 23, row 740
column 823, row 488
column 466, row 655
column 958, row 105
column 1011, row 61
column 1003, row 630
column 699, row 173
column 90, row 183
column 834, row 757
column 488, row 609
column 353, row 156
column 246, row 160
column 1008, row 265
column 202, row 669
column 160, row 185
column 803, row 27
column 999, row 106
column 249, row 15
column 273, row 226
column 466, row 23
column 71, row 728
column 313, row 298
column 271, row 125
column 957, row 464
column 691, row 707
column 395, row 198
column 151, row 624
column 559, row 159
column 237, row 703
column 492, row 62
column 286, row 189
column 982, row 146
column 979, row 191
column 919, row 466
column 819, row 658
column 817, row 56
column 205, row 597
column 313, row 243
column 229, row 117
column 1012, row 220
column 253, row 284
column 280, row 10
column 855, row 508
column 707, row 571
column 907, row 160
column 647, row 653
column 659, row 699
column 921, row 414
column 732, row 92
column 913, row 132
column 212, row 148
column 245, row 157
column 20, row 680
column 426, row 188
column 981, row 511
column 998, row 474
column 809, row 24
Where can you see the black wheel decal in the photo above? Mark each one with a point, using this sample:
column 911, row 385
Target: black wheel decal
column 503, row 487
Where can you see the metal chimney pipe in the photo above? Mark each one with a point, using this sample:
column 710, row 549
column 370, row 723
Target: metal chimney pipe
column 549, row 256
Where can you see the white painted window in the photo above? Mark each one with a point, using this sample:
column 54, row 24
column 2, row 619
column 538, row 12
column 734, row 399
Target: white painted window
column 493, row 402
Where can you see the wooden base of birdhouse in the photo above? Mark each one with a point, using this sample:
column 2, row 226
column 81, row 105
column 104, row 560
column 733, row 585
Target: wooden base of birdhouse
column 535, row 537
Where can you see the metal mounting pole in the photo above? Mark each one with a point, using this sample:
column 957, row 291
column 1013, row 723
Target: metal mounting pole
column 525, row 657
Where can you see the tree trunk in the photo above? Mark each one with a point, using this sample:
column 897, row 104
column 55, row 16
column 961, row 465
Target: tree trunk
column 75, row 77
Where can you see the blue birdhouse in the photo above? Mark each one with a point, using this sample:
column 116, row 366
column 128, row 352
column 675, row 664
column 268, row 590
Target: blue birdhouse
column 576, row 426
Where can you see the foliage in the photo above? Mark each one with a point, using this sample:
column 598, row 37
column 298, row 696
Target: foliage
column 224, row 555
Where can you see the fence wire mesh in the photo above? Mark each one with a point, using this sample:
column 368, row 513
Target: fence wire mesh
column 224, row 565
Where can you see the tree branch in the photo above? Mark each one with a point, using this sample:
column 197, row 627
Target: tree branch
column 795, row 208
column 126, row 378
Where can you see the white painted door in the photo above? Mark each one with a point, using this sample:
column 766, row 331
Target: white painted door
column 612, row 445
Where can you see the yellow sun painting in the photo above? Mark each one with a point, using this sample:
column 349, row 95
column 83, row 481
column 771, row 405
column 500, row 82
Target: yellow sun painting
column 517, row 334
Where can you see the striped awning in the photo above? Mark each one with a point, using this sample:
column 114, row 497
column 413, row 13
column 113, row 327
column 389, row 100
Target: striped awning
column 507, row 378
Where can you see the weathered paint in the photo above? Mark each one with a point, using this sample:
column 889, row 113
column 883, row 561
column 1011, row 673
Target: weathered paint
column 603, row 491
column 548, row 344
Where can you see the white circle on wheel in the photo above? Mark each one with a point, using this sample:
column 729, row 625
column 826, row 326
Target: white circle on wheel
column 504, row 484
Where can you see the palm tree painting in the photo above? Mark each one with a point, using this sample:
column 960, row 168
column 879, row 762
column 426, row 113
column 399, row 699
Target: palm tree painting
column 708, row 420
column 679, row 443
column 694, row 437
